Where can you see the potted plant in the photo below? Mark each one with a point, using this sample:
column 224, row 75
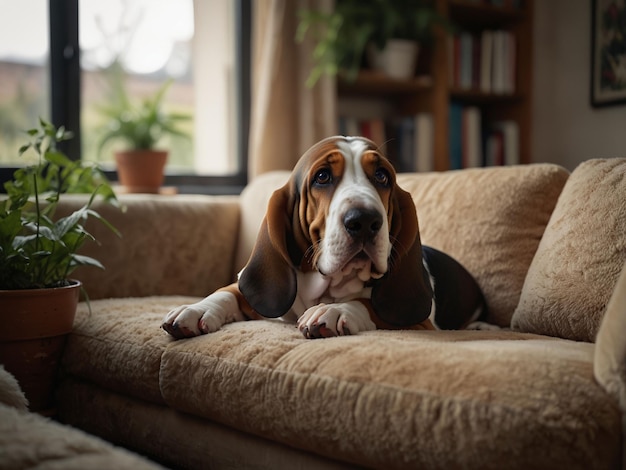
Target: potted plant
column 38, row 253
column 140, row 127
column 386, row 28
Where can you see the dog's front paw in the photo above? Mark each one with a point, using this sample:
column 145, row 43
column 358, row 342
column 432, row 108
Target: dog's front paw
column 182, row 322
column 341, row 319
column 203, row 317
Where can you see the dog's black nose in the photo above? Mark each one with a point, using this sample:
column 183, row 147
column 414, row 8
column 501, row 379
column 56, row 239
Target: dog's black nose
column 362, row 224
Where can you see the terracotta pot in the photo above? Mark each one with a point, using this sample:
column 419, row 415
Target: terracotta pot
column 35, row 324
column 141, row 171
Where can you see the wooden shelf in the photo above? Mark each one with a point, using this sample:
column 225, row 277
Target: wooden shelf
column 478, row 97
column 482, row 15
column 377, row 83
column 433, row 94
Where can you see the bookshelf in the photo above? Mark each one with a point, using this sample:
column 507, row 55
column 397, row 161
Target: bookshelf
column 437, row 90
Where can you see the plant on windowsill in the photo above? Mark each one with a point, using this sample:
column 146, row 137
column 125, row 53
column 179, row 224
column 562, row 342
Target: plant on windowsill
column 389, row 31
column 140, row 127
column 38, row 253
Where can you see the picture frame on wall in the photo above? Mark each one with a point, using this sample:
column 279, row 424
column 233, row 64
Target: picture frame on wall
column 608, row 53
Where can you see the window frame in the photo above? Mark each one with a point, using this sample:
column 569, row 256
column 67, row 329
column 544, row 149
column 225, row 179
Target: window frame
column 65, row 96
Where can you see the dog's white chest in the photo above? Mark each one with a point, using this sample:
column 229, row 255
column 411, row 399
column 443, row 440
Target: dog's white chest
column 313, row 288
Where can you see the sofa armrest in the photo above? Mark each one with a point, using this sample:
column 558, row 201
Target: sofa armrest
column 610, row 353
column 169, row 245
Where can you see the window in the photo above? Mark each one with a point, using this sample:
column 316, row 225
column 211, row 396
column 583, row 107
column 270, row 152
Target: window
column 24, row 72
column 202, row 47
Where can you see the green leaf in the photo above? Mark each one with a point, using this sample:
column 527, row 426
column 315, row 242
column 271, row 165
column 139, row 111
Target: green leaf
column 23, row 149
column 10, row 225
column 110, row 226
column 82, row 260
column 57, row 158
column 68, row 223
column 21, row 241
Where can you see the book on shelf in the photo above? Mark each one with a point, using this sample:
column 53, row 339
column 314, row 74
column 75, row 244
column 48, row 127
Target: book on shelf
column 503, row 142
column 424, row 142
column 407, row 141
column 455, row 135
column 465, row 137
column 474, row 143
column 497, row 3
column 472, row 137
column 513, row 4
column 483, row 61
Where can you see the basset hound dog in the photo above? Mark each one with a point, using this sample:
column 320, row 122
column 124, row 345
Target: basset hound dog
column 338, row 253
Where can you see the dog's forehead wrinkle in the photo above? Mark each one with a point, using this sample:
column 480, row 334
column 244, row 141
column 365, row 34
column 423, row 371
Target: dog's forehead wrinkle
column 352, row 151
column 355, row 182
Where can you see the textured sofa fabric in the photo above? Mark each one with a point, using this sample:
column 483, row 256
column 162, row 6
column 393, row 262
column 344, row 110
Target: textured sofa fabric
column 388, row 399
column 259, row 395
column 162, row 240
column 491, row 221
column 581, row 254
column 610, row 354
column 30, row 441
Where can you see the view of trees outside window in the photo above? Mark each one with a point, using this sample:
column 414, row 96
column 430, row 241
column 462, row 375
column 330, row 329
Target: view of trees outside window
column 24, row 74
column 134, row 46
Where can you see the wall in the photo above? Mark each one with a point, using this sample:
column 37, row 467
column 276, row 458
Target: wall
column 566, row 129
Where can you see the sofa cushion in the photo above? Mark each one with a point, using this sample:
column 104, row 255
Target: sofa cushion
column 118, row 344
column 178, row 440
column 415, row 399
column 580, row 256
column 426, row 399
column 490, row 220
column 10, row 392
column 29, row 441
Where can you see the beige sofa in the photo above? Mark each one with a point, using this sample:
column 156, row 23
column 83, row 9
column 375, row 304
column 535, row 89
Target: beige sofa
column 548, row 390
column 31, row 441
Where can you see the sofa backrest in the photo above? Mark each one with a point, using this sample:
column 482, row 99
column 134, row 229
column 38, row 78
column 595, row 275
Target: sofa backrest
column 170, row 245
column 489, row 219
column 253, row 201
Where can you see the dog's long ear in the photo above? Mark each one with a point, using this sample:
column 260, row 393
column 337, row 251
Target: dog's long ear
column 403, row 297
column 268, row 282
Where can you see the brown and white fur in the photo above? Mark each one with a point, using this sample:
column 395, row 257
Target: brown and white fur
column 339, row 253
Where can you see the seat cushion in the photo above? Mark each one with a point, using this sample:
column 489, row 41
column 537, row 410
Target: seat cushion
column 421, row 399
column 118, row 343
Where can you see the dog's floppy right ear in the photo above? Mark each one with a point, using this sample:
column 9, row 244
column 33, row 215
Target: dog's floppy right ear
column 403, row 297
column 268, row 282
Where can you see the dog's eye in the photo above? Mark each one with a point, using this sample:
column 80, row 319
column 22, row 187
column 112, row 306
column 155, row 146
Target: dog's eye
column 323, row 177
column 381, row 176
